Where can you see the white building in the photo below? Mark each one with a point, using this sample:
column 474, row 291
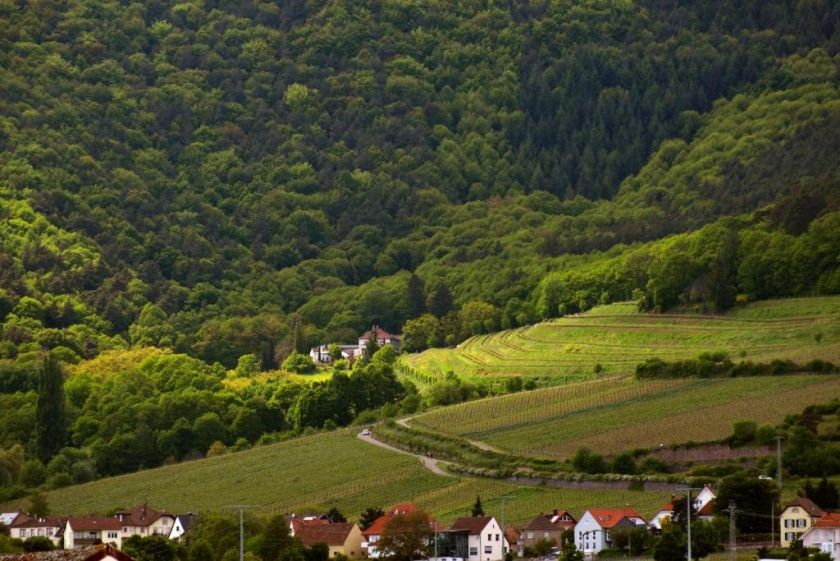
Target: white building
column 142, row 520
column 593, row 530
column 703, row 503
column 181, row 525
column 825, row 535
column 477, row 538
column 84, row 531
column 25, row 527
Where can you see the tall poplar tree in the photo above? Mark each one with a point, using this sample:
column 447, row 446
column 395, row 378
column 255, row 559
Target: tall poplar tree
column 50, row 417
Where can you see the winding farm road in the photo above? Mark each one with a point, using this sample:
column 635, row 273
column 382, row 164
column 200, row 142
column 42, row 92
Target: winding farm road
column 477, row 443
column 431, row 464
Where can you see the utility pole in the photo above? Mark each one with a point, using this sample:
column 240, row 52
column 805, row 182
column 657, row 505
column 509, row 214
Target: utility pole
column 779, row 462
column 732, row 529
column 688, row 519
column 241, row 509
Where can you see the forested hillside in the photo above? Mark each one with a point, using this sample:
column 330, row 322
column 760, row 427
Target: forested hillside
column 235, row 179
column 171, row 170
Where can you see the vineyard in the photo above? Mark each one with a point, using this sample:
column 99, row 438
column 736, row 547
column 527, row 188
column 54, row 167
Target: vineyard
column 317, row 472
column 613, row 339
column 614, row 414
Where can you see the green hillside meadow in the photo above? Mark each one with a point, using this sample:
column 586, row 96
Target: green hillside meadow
column 316, row 472
column 617, row 338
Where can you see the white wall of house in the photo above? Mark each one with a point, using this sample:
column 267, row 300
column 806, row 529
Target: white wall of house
column 826, row 539
column 590, row 537
column 105, row 536
column 44, row 532
column 489, row 545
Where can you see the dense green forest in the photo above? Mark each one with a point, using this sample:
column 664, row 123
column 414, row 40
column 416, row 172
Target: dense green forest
column 229, row 180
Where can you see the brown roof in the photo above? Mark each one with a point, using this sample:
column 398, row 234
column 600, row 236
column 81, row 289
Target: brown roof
column 140, row 515
column 808, row 505
column 24, row 521
column 543, row 523
column 94, row 553
column 380, row 334
column 333, row 533
column 472, row 524
column 298, row 523
column 93, row 523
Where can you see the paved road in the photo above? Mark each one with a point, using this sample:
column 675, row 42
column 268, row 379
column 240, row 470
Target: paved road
column 477, row 443
column 431, row 464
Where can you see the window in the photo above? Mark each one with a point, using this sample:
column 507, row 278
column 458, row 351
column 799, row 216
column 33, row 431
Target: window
column 489, row 537
column 800, row 523
column 545, row 535
column 497, row 537
column 530, row 535
column 112, row 535
column 488, row 549
column 473, row 551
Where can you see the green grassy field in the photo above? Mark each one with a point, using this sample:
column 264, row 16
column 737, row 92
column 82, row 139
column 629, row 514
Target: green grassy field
column 316, row 472
column 618, row 338
column 619, row 413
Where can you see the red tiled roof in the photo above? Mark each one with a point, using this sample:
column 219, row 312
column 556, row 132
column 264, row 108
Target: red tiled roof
column 93, row 523
column 140, row 515
column 808, row 505
column 93, row 553
column 609, row 517
column 378, row 525
column 332, row 533
column 472, row 524
column 828, row 520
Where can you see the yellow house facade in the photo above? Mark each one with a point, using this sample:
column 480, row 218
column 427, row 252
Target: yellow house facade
column 797, row 517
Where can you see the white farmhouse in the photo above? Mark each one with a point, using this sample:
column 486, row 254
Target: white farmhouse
column 25, row 527
column 593, row 530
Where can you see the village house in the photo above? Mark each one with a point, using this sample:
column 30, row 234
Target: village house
column 593, row 532
column 703, row 507
column 476, row 538
column 25, row 527
column 83, row 531
column 89, row 553
column 181, row 525
column 143, row 520
column 342, row 538
column 374, row 532
column 824, row 535
column 297, row 522
column 545, row 527
column 321, row 353
column 796, row 518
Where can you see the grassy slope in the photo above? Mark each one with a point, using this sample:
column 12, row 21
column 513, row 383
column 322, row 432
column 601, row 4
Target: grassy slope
column 615, row 414
column 618, row 338
column 320, row 471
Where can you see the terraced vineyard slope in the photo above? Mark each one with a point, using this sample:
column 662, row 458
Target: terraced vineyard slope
column 619, row 413
column 316, row 472
column 617, row 338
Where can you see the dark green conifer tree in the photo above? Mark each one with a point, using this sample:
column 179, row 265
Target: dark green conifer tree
column 50, row 418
